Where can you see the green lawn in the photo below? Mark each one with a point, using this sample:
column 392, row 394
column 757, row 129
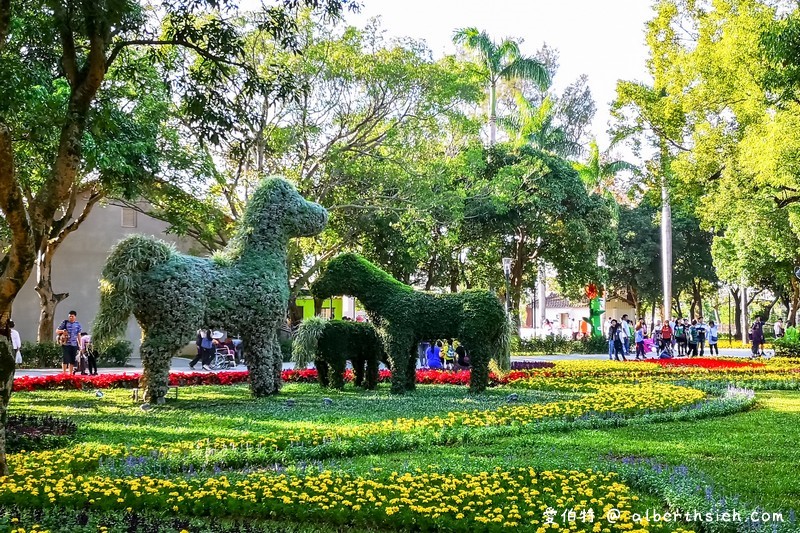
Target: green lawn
column 752, row 455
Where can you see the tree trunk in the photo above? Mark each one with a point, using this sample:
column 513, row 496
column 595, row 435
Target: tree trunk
column 7, row 365
column 429, row 273
column 666, row 251
column 48, row 300
column 517, row 271
column 455, row 272
column 653, row 316
column 792, row 320
column 737, row 323
column 697, row 299
column 768, row 309
column 678, row 308
column 492, row 112
column 295, row 312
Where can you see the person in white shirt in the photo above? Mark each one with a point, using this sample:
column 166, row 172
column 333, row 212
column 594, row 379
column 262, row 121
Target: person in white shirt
column 713, row 337
column 16, row 343
column 778, row 329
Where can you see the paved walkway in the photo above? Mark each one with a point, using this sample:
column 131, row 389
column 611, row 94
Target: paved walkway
column 179, row 364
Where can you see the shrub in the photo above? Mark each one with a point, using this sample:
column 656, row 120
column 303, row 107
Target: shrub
column 41, row 354
column 286, row 349
column 554, row 344
column 788, row 345
column 26, row 432
column 116, row 354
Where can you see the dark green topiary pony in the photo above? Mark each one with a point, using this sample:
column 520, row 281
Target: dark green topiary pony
column 405, row 317
column 331, row 343
column 242, row 289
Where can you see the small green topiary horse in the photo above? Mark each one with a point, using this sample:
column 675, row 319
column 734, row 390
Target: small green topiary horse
column 331, row 343
column 243, row 289
column 404, row 317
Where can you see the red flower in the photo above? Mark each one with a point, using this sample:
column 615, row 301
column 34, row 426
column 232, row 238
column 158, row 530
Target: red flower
column 591, row 291
column 711, row 364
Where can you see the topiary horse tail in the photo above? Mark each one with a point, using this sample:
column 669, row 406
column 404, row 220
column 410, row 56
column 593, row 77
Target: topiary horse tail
column 129, row 259
column 304, row 349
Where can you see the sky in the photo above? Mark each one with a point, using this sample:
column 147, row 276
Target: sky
column 603, row 39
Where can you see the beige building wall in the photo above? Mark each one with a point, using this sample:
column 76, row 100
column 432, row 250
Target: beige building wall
column 78, row 263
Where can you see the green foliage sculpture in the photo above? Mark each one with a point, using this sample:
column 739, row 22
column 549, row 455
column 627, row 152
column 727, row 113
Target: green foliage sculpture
column 404, row 317
column 244, row 289
column 330, row 343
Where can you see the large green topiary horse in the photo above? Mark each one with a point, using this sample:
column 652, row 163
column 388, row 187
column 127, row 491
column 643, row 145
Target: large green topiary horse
column 243, row 289
column 329, row 344
column 404, row 317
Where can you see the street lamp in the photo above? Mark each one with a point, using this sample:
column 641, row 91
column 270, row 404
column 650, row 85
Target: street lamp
column 507, row 273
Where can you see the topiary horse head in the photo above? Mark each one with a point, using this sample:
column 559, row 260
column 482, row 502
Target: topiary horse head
column 405, row 317
column 244, row 289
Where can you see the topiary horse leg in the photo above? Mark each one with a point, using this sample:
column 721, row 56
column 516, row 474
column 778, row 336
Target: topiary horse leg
column 156, row 352
column 260, row 352
column 411, row 369
column 358, row 369
column 322, row 372
column 371, row 382
column 338, row 366
column 480, row 354
column 398, row 349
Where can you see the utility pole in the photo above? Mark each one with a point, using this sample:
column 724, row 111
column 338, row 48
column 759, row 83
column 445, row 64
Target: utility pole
column 666, row 250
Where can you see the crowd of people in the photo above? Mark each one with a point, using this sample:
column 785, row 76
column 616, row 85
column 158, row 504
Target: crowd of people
column 443, row 355
column 678, row 337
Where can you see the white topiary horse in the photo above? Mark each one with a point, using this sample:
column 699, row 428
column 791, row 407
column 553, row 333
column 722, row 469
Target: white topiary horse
column 243, row 289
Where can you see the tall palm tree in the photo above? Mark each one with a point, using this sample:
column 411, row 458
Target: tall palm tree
column 598, row 173
column 503, row 61
column 536, row 126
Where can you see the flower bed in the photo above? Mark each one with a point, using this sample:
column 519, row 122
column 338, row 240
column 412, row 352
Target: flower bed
column 487, row 501
column 708, row 363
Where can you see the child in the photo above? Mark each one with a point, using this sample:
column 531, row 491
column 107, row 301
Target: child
column 639, row 341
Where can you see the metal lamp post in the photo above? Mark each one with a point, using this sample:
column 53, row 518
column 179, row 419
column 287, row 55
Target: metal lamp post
column 507, row 273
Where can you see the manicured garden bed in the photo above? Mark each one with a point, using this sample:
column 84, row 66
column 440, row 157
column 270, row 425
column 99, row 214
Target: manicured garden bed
column 580, row 435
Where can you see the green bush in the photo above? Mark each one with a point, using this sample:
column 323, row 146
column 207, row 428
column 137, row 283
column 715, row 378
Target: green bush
column 286, row 349
column 41, row 355
column 116, row 354
column 554, row 344
column 788, row 345
column 28, row 432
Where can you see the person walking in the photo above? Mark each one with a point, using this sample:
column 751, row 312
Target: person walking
column 205, row 349
column 16, row 342
column 639, row 338
column 626, row 328
column 680, row 337
column 666, row 337
column 713, row 338
column 68, row 332
column 692, row 338
column 611, row 330
column 701, row 336
column 777, row 328
column 758, row 336
column 619, row 340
